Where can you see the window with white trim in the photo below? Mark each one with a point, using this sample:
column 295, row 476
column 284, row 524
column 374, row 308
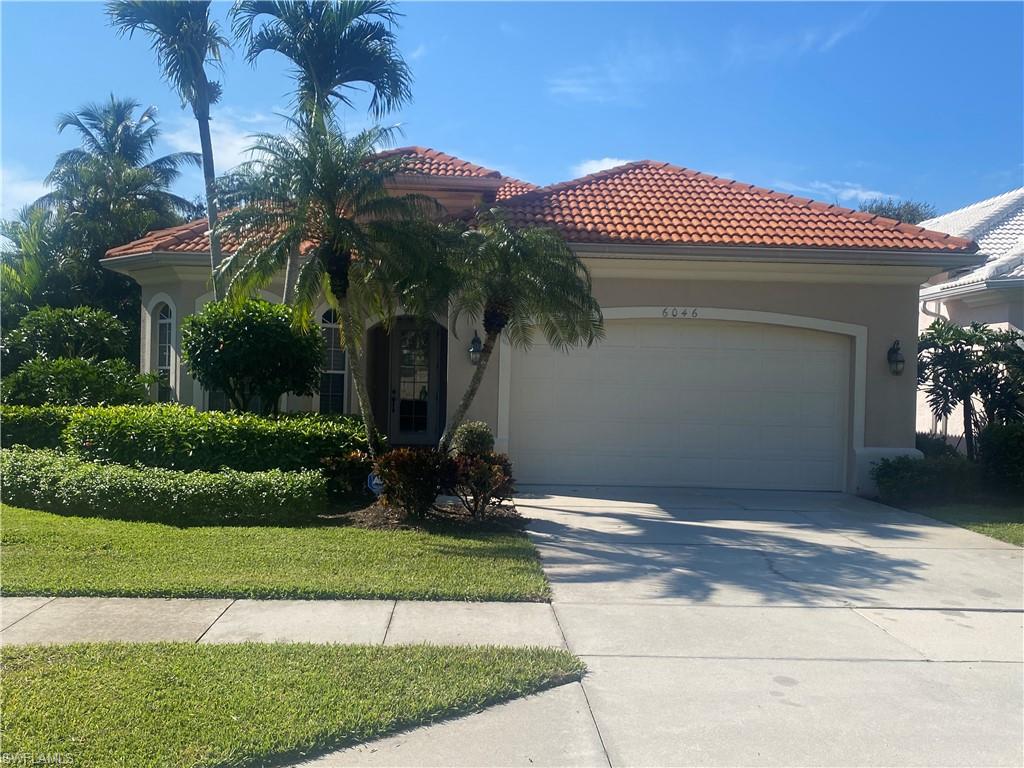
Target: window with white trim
column 164, row 356
column 332, row 378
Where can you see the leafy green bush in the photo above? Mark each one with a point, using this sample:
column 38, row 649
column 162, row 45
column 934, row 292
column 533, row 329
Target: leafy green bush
column 179, row 437
column 413, row 478
column 251, row 351
column 482, row 481
column 56, row 482
column 473, row 438
column 1002, row 454
column 75, row 381
column 905, row 480
column 933, row 446
column 53, row 332
column 38, row 426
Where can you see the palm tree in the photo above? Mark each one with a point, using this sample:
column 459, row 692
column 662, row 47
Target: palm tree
column 333, row 45
column 109, row 191
column 185, row 40
column 34, row 268
column 974, row 367
column 323, row 195
column 519, row 280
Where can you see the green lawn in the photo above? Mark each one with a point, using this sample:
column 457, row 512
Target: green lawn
column 181, row 704
column 48, row 554
column 1000, row 521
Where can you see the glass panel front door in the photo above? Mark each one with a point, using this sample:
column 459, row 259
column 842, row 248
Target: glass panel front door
column 414, row 382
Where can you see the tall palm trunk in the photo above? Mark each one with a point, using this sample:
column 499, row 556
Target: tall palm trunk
column 467, row 398
column 968, row 404
column 202, row 113
column 350, row 336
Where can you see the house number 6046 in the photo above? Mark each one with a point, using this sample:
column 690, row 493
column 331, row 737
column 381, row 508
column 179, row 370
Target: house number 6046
column 688, row 312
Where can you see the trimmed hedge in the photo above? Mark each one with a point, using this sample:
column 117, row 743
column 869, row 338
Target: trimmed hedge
column 904, row 479
column 1001, row 451
column 56, row 482
column 178, row 437
column 37, row 426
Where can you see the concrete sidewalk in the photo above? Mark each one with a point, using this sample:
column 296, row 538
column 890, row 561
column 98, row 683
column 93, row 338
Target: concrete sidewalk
column 373, row 622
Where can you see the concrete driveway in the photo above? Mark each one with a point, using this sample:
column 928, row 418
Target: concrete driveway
column 763, row 628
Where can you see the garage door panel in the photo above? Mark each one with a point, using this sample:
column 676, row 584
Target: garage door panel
column 685, row 403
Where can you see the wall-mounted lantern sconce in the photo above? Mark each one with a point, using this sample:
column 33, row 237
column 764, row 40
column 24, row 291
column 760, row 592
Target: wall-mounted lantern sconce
column 895, row 358
column 475, row 348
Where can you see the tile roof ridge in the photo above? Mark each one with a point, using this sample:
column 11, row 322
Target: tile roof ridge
column 589, row 178
column 430, row 152
column 1012, row 196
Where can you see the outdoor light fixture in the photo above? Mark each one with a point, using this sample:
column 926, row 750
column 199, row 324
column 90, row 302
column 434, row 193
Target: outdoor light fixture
column 475, row 348
column 895, row 358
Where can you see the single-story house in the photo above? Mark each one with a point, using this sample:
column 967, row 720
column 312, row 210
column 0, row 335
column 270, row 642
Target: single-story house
column 991, row 293
column 750, row 343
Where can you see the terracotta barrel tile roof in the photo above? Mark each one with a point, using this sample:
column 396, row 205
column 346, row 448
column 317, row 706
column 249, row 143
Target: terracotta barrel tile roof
column 650, row 202
column 430, row 162
column 644, row 203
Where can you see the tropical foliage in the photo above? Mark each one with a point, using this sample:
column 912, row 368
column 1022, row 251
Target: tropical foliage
column 76, row 381
column 519, row 280
column 976, row 368
column 185, row 40
column 333, row 47
column 907, row 211
column 253, row 352
column 324, row 195
column 58, row 332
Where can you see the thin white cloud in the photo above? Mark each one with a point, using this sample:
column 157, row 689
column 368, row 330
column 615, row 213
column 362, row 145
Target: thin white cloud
column 753, row 46
column 621, row 76
column 844, row 192
column 231, row 132
column 599, row 164
column 18, row 189
column 418, row 52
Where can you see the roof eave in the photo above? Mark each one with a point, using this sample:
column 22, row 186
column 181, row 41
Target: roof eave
column 947, row 291
column 941, row 260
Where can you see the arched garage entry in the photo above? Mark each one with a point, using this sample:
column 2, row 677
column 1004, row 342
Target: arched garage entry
column 684, row 396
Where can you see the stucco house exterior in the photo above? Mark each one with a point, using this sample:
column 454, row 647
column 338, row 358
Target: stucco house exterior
column 748, row 333
column 991, row 293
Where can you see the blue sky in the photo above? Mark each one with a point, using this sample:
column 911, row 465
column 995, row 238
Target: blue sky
column 835, row 101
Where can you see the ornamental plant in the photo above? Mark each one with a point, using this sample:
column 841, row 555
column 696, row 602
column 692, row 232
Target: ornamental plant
column 53, row 332
column 253, row 351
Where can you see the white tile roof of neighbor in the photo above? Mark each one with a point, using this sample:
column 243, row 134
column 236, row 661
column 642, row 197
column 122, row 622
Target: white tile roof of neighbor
column 997, row 225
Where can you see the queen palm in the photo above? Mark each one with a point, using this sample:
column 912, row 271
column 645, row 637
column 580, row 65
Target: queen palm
column 322, row 195
column 519, row 280
column 334, row 46
column 185, row 40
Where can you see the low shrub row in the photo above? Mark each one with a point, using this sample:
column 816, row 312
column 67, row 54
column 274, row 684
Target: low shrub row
column 34, row 426
column 906, row 480
column 57, row 482
column 1001, row 450
column 178, row 437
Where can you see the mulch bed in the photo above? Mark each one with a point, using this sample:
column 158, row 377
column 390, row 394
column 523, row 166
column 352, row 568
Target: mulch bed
column 443, row 516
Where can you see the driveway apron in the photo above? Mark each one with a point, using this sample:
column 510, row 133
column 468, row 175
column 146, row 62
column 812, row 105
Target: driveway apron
column 777, row 628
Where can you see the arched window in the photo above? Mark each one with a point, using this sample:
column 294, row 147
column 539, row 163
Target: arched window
column 332, row 380
column 164, row 347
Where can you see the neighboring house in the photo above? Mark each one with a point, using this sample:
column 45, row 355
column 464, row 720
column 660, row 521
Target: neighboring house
column 992, row 293
column 747, row 333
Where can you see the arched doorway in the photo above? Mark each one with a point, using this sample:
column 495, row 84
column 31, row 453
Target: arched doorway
column 406, row 367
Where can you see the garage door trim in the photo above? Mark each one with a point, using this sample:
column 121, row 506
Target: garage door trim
column 858, row 333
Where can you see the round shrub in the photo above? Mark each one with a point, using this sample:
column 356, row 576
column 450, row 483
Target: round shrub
column 253, row 350
column 56, row 482
column 75, row 381
column 53, row 332
column 473, row 438
column 933, row 446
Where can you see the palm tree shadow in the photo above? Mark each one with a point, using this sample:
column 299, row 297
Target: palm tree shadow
column 695, row 556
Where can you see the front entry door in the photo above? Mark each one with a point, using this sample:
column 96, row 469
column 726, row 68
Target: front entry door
column 414, row 391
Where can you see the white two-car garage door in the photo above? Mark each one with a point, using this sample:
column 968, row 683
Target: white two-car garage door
column 670, row 402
